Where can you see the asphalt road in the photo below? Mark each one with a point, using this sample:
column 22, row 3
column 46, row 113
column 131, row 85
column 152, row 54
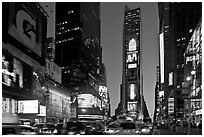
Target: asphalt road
column 165, row 132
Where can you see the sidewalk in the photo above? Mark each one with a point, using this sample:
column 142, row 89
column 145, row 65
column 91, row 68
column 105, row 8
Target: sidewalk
column 192, row 131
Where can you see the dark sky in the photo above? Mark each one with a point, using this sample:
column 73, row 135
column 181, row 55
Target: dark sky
column 112, row 14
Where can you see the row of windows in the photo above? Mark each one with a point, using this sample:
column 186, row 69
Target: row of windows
column 181, row 39
column 62, row 23
column 178, row 66
column 64, row 40
column 68, row 30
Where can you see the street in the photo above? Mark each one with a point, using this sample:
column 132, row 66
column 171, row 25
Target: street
column 166, row 132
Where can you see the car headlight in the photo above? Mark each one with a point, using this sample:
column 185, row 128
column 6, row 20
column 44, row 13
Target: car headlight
column 55, row 131
column 82, row 132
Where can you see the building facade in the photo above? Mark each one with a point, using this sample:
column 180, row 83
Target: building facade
column 23, row 53
column 132, row 73
column 177, row 22
column 193, row 77
column 79, row 53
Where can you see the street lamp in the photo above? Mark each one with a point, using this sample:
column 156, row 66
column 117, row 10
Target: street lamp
column 189, row 78
column 75, row 101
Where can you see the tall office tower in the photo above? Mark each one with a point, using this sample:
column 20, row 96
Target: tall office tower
column 132, row 76
column 77, row 38
column 78, row 49
column 177, row 22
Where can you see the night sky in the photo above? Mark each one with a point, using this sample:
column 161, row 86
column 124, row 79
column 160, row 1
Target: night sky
column 112, row 16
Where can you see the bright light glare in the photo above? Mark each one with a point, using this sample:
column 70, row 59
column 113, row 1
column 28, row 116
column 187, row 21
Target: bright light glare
column 188, row 78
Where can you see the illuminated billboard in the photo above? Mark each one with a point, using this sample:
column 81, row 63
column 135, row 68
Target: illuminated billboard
column 88, row 101
column 103, row 92
column 170, row 105
column 42, row 111
column 161, row 50
column 132, row 106
column 170, row 78
column 132, row 46
column 16, row 73
column 27, row 25
column 132, row 91
column 132, row 57
column 28, row 106
column 134, row 65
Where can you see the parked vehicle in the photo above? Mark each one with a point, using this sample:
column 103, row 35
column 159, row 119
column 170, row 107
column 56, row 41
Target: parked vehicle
column 13, row 129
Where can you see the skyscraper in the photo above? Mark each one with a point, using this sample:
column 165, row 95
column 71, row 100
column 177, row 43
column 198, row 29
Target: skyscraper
column 78, row 49
column 132, row 76
column 177, row 22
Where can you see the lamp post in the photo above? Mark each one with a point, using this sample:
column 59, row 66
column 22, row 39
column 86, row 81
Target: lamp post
column 193, row 72
column 76, row 89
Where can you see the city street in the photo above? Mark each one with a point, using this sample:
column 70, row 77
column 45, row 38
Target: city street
column 166, row 132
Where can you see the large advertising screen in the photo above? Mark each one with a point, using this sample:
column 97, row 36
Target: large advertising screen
column 12, row 71
column 170, row 105
column 161, row 50
column 15, row 73
column 170, row 78
column 28, row 106
column 133, row 65
column 132, row 106
column 103, row 92
column 132, row 94
column 27, row 26
column 42, row 111
column 88, row 101
column 132, row 46
column 132, row 56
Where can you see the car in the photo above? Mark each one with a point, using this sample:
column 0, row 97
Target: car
column 14, row 129
column 128, row 128
column 58, row 127
column 95, row 128
column 112, row 128
column 75, row 128
column 146, row 130
column 46, row 128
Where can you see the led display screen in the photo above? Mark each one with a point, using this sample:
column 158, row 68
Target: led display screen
column 42, row 111
column 161, row 50
column 103, row 92
column 132, row 57
column 170, row 78
column 28, row 106
column 88, row 101
column 134, row 65
column 132, row 45
column 132, row 106
column 28, row 27
column 12, row 71
column 132, row 91
column 171, row 105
